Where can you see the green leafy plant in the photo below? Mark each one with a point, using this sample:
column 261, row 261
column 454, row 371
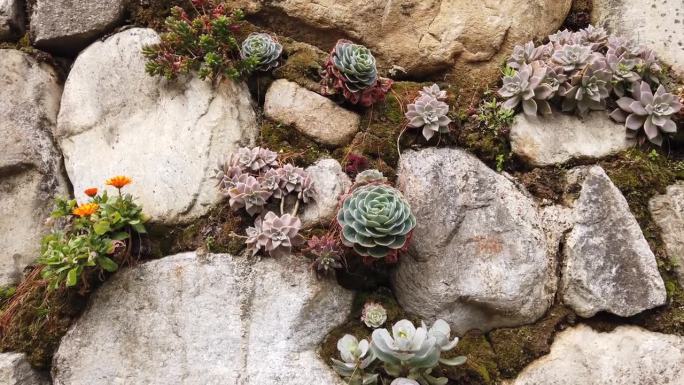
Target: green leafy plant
column 204, row 43
column 96, row 235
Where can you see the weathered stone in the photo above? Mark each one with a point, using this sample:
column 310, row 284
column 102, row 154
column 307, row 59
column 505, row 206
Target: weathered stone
column 168, row 136
column 11, row 19
column 626, row 356
column 607, row 264
column 67, row 26
column 330, row 183
column 545, row 141
column 31, row 174
column 422, row 36
column 205, row 319
column 478, row 257
column 658, row 24
column 15, row 370
column 312, row 114
column 667, row 211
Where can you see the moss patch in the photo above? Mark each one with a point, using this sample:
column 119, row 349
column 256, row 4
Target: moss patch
column 291, row 145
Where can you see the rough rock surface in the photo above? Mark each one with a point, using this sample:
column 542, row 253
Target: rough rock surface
column 67, row 26
column 31, row 174
column 167, row 136
column 205, row 319
column 658, row 24
column 330, row 183
column 547, row 141
column 607, row 264
column 478, row 257
column 668, row 212
column 422, row 36
column 15, row 370
column 11, row 19
column 626, row 356
column 312, row 114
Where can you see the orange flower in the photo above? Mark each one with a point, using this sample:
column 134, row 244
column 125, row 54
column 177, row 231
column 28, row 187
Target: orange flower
column 86, row 209
column 118, row 181
column 91, row 192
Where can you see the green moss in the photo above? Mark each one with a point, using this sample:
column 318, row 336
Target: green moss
column 480, row 367
column 291, row 144
column 152, row 13
column 303, row 64
column 515, row 348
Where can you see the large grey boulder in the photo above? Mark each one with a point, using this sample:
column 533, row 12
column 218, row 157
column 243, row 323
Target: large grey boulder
column 168, row 136
column 655, row 23
column 667, row 211
column 421, row 36
column 626, row 356
column 310, row 113
column 15, row 370
column 478, row 257
column 330, row 183
column 545, row 141
column 31, row 174
column 67, row 26
column 607, row 263
column 205, row 320
column 11, row 19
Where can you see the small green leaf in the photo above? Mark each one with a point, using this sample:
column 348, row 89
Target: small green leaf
column 138, row 227
column 101, row 227
column 107, row 264
column 72, row 277
column 460, row 360
column 120, row 236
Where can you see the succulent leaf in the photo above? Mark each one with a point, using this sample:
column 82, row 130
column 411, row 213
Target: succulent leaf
column 263, row 49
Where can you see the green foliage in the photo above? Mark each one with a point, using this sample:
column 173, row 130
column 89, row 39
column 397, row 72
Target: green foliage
column 493, row 115
column 204, row 43
column 94, row 236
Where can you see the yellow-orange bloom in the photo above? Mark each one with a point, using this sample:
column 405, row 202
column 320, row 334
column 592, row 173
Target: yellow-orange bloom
column 118, row 181
column 91, row 192
column 86, row 209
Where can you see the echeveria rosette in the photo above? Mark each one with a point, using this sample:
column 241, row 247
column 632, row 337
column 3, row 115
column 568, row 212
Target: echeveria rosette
column 369, row 176
column 588, row 90
column 527, row 54
column 263, row 49
column 248, row 194
column 651, row 111
column 433, row 91
column 276, row 235
column 429, row 113
column 351, row 69
column 527, row 87
column 594, row 37
column 624, row 73
column 376, row 221
column 572, row 57
column 356, row 357
column 373, row 315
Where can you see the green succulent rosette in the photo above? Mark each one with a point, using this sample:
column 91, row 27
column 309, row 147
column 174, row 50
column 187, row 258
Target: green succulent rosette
column 263, row 49
column 376, row 220
column 356, row 64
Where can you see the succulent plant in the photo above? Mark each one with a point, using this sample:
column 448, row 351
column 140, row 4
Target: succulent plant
column 594, row 37
column 227, row 176
column 414, row 350
column 618, row 46
column 248, row 193
column 373, row 315
column 434, row 92
column 572, row 57
column 307, row 190
column 624, row 73
column 270, row 181
column 403, row 381
column 351, row 69
column 326, row 253
column 441, row 331
column 588, row 90
column 564, row 37
column 526, row 54
column 527, row 87
column 291, row 178
column 429, row 113
column 276, row 235
column 356, row 357
column 376, row 220
column 254, row 160
column 263, row 49
column 652, row 112
column 369, row 176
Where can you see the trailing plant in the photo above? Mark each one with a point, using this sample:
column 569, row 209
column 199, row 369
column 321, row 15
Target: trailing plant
column 351, row 71
column 95, row 235
column 585, row 71
column 429, row 112
column 203, row 42
column 262, row 49
column 376, row 221
column 407, row 354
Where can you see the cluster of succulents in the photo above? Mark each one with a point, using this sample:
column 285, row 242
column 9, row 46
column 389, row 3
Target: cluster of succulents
column 408, row 354
column 326, row 253
column 373, row 315
column 351, row 71
column 581, row 71
column 263, row 49
column 252, row 179
column 375, row 218
column 429, row 111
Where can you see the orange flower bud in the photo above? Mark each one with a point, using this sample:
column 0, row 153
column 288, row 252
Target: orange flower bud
column 91, row 192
